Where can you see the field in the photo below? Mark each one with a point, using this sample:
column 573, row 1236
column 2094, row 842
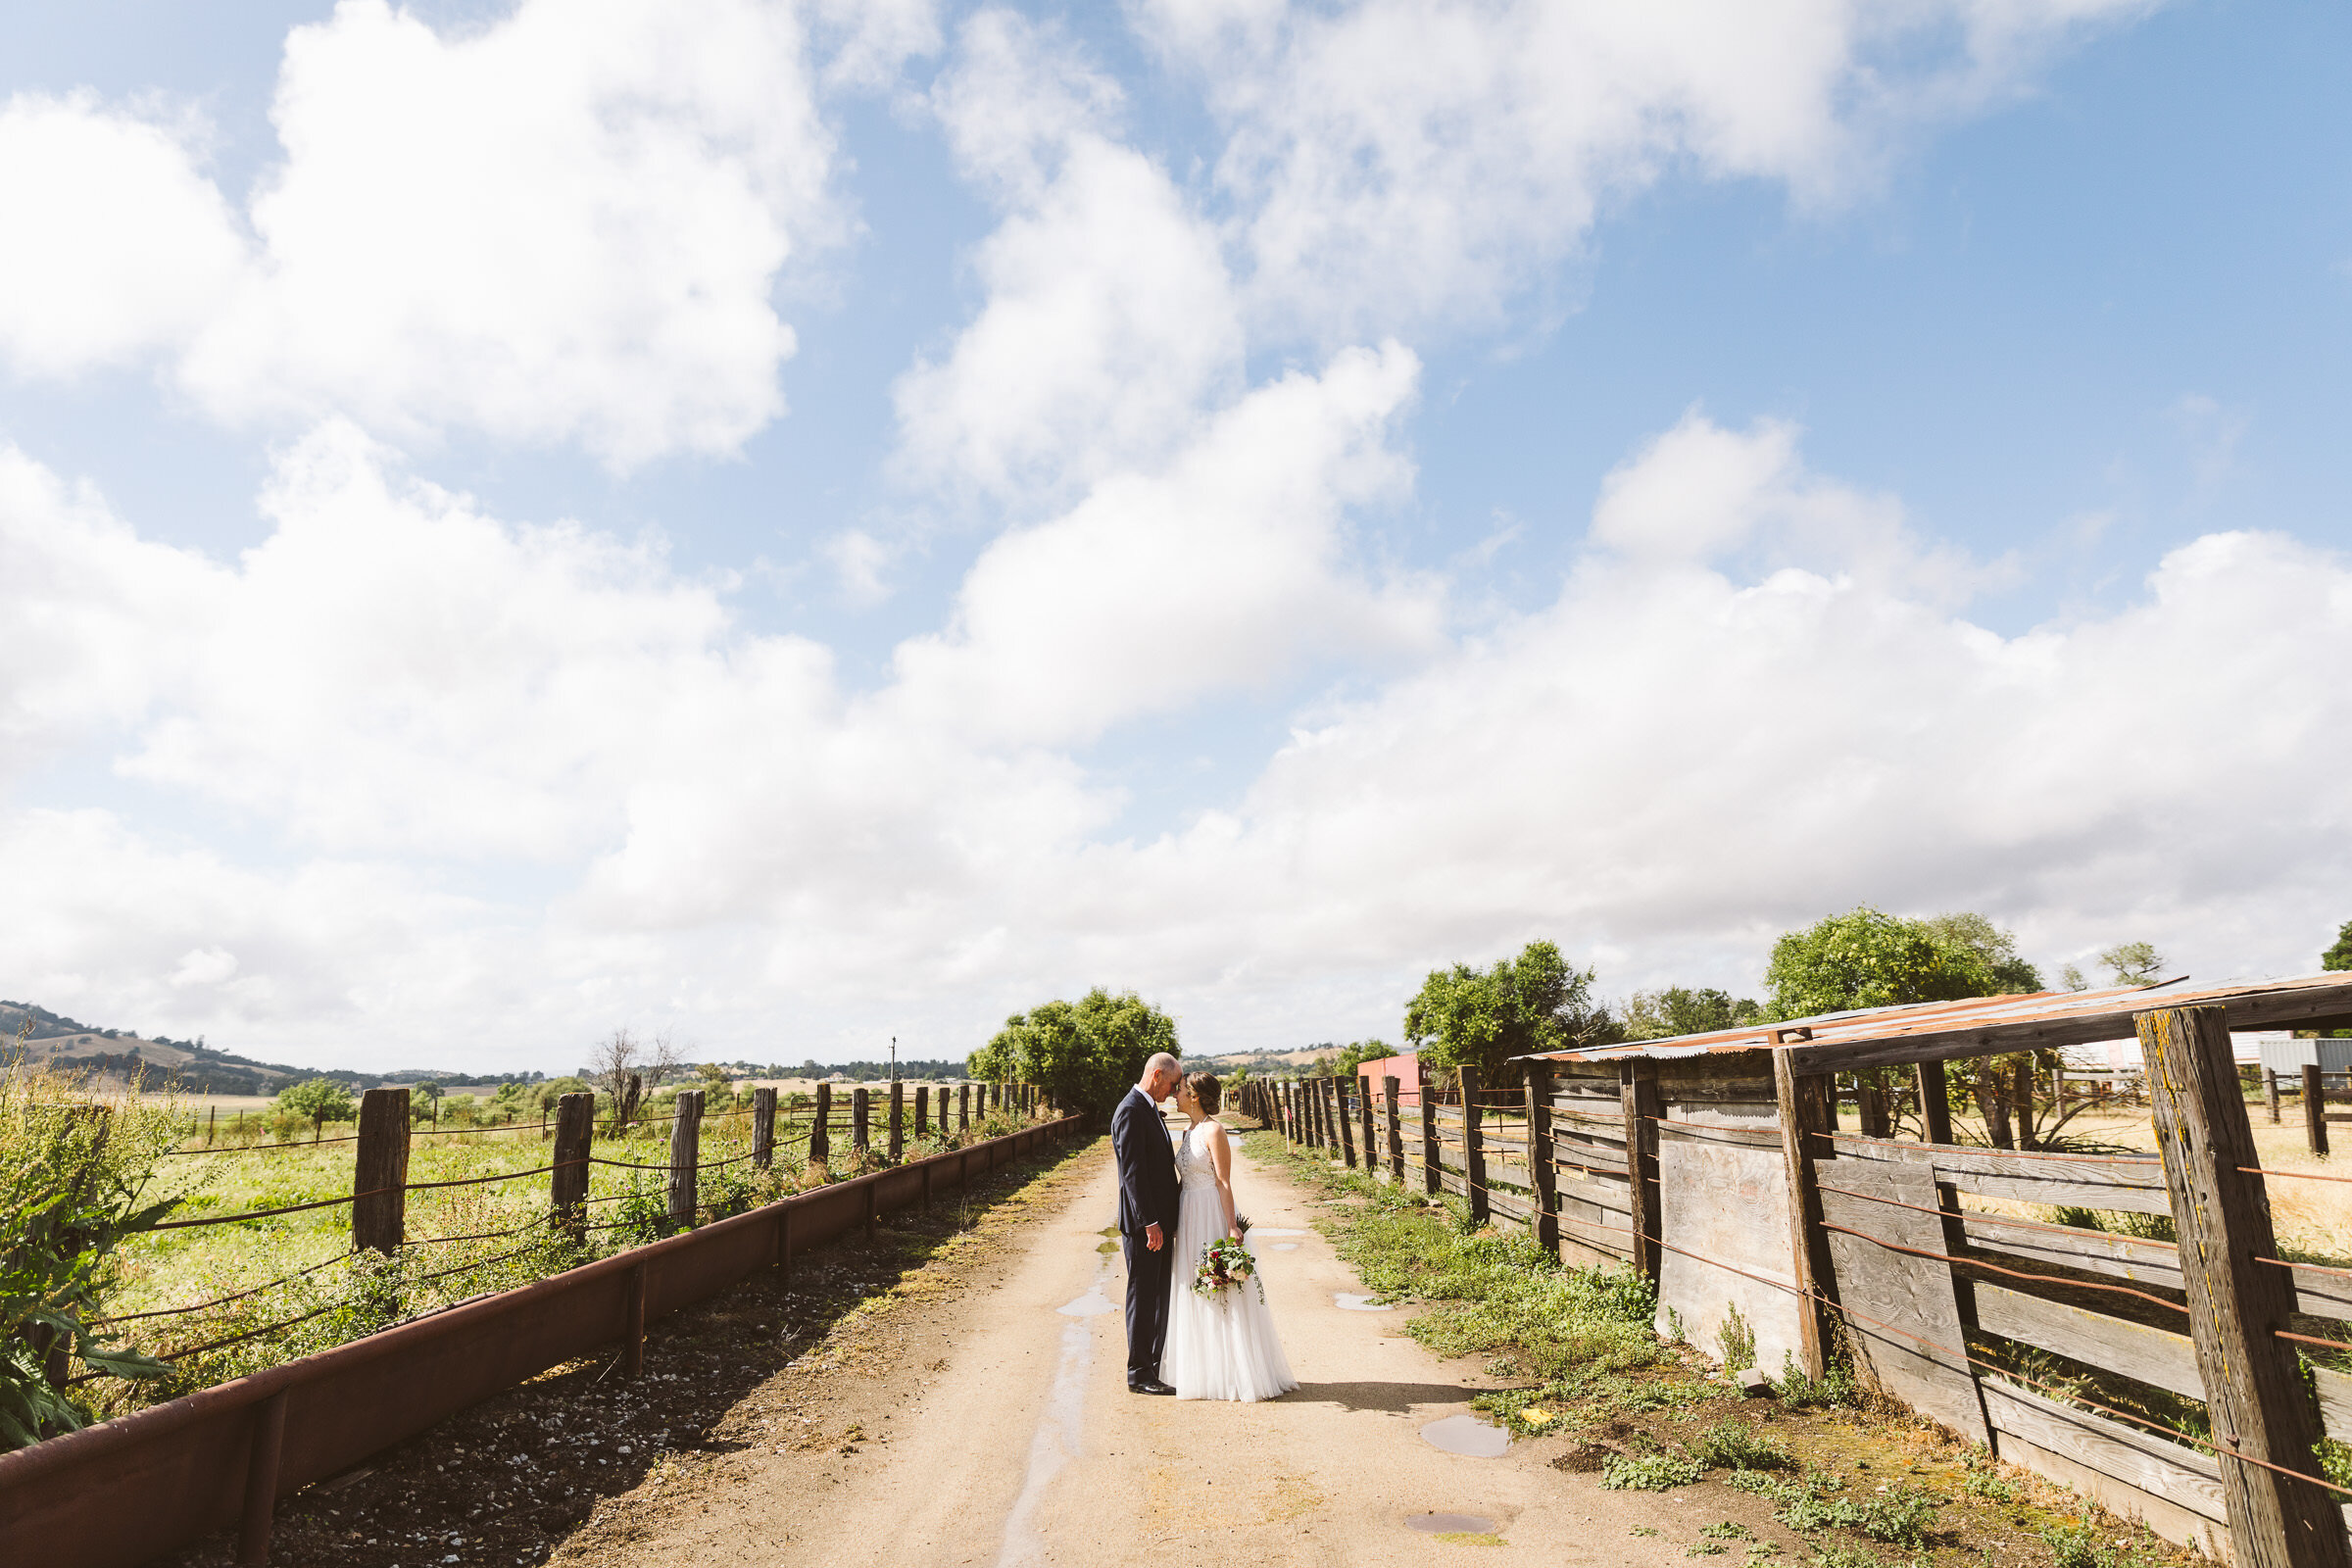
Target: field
column 223, row 1299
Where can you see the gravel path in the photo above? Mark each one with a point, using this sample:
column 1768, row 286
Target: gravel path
column 984, row 1425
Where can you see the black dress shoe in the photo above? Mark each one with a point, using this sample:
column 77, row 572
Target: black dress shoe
column 1150, row 1385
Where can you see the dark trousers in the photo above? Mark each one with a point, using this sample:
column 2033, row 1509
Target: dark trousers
column 1147, row 1277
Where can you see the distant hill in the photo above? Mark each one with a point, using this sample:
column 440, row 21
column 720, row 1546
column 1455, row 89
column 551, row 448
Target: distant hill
column 66, row 1044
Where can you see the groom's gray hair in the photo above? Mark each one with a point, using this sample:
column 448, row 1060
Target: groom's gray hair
column 1160, row 1061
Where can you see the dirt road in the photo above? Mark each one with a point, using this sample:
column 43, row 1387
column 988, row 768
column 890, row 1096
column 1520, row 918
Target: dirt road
column 1008, row 1437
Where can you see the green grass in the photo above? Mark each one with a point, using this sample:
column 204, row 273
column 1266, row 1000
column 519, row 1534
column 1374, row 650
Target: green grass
column 1488, row 1293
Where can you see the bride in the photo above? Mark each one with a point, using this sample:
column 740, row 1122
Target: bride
column 1220, row 1346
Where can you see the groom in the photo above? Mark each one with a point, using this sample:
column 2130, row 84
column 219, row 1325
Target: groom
column 1139, row 1140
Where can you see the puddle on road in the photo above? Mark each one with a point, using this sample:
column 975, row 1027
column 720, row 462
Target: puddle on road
column 1268, row 1230
column 1359, row 1304
column 1468, row 1436
column 1094, row 1303
column 1450, row 1524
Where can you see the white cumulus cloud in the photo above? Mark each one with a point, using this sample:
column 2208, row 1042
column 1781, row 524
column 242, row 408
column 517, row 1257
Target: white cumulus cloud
column 567, row 227
column 1397, row 165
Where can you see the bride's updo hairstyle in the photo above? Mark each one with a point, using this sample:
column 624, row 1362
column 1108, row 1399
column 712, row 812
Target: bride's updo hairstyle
column 1206, row 1090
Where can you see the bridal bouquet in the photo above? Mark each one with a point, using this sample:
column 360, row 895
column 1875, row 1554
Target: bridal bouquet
column 1223, row 1263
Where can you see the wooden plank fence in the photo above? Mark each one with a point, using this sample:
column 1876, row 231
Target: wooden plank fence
column 1914, row 1253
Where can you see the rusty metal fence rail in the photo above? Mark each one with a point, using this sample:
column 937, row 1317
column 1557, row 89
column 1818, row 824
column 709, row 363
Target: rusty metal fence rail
column 118, row 1493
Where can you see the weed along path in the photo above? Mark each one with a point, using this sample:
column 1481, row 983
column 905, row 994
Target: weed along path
column 993, row 1426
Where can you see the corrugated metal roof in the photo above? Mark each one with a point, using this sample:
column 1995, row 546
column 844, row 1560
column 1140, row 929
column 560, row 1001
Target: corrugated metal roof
column 1931, row 1031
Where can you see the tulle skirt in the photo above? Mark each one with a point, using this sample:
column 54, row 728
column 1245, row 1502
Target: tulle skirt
column 1220, row 1346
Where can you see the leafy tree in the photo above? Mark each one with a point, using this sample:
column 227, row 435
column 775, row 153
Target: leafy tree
column 2073, row 978
column 1866, row 958
column 1082, row 1055
column 1681, row 1010
column 544, row 1096
column 2134, row 963
column 1994, row 947
column 2339, row 957
column 322, row 1100
column 1484, row 1017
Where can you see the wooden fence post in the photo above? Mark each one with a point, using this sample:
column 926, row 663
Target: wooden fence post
column 380, row 1221
column 1801, row 1116
column 922, row 1112
column 1394, row 1093
column 1474, row 1146
column 964, row 1108
column 2315, row 1109
column 898, row 1121
column 2022, row 1071
column 1870, row 1099
column 1432, row 1162
column 820, row 1136
column 1542, row 1174
column 685, row 1158
column 2270, row 1093
column 859, row 1129
column 763, row 1127
column 1364, row 1115
column 1639, row 1105
column 1346, row 1118
column 2237, row 1301
column 575, row 1134
column 1936, row 1126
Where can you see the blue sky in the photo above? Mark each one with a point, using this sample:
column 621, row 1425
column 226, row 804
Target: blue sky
column 1252, row 514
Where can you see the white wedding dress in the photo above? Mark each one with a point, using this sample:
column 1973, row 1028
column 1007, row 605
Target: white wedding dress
column 1220, row 1346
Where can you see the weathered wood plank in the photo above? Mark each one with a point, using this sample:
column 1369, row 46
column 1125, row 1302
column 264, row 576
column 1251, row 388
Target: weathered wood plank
column 2336, row 1401
column 2142, row 1460
column 2090, row 1182
column 1750, row 1137
column 2152, row 1355
column 2123, row 1257
column 1905, row 1311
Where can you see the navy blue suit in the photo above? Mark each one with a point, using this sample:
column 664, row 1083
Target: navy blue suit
column 1147, row 1195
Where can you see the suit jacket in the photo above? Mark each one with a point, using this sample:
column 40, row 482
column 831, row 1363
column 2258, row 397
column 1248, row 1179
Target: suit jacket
column 1148, row 1184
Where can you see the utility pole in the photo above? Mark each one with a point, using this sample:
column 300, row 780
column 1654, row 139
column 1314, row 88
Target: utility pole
column 894, row 1058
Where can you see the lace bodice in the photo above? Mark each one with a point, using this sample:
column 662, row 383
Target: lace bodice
column 1193, row 1164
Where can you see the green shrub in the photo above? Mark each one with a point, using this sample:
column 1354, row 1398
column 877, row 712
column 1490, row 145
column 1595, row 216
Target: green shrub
column 1738, row 1339
column 78, row 1177
column 1649, row 1472
column 320, row 1101
column 1899, row 1515
column 1731, row 1445
column 1798, row 1390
